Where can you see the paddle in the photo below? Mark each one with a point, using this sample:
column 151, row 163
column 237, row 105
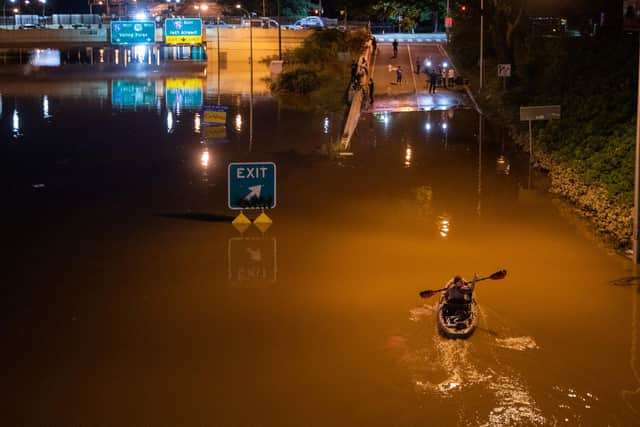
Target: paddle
column 500, row 274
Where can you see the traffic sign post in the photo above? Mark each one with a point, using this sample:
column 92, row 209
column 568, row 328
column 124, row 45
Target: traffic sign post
column 541, row 112
column 252, row 185
column 504, row 71
column 214, row 120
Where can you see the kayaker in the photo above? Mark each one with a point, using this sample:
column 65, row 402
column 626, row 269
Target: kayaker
column 459, row 291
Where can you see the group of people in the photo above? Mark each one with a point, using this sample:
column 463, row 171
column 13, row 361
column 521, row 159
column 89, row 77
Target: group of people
column 358, row 72
column 446, row 75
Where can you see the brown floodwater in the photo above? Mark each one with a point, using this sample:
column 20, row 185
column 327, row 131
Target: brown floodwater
column 130, row 299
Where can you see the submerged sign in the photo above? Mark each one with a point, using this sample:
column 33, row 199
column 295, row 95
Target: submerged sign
column 183, row 31
column 252, row 185
column 215, row 115
column 133, row 32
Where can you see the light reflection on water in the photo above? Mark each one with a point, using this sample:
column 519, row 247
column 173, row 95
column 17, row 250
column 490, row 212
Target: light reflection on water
column 478, row 375
column 15, row 123
column 464, row 369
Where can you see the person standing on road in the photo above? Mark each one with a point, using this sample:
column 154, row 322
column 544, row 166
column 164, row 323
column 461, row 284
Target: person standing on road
column 371, row 87
column 399, row 75
column 395, row 48
column 451, row 74
column 417, row 65
column 433, row 81
column 374, row 45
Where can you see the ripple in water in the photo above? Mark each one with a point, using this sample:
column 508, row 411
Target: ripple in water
column 517, row 343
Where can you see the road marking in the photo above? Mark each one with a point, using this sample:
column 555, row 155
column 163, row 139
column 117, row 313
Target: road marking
column 411, row 68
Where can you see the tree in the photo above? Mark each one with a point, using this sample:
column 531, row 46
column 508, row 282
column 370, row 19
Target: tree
column 411, row 11
column 505, row 18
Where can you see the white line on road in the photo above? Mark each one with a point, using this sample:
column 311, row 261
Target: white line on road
column 411, row 68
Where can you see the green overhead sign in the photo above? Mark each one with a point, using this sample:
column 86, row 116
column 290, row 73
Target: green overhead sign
column 183, row 30
column 133, row 32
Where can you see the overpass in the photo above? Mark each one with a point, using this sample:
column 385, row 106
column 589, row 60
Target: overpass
column 229, row 40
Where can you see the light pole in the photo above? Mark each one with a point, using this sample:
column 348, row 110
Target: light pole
column 481, row 43
column 239, row 7
column 44, row 2
column 446, row 29
column 279, row 34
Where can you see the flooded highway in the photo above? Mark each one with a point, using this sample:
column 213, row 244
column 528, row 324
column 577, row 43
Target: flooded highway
column 130, row 299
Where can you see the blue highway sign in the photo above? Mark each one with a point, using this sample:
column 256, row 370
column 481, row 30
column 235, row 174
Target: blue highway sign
column 252, row 185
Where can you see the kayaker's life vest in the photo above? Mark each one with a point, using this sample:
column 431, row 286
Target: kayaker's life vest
column 460, row 291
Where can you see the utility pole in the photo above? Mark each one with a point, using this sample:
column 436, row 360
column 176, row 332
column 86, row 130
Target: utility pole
column 636, row 186
column 481, row 43
column 279, row 33
column 447, row 16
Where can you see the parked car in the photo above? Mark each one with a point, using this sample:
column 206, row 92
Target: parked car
column 310, row 22
column 260, row 22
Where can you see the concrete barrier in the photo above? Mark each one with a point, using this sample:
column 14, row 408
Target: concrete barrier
column 52, row 37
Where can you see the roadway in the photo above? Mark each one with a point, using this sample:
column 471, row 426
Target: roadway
column 412, row 93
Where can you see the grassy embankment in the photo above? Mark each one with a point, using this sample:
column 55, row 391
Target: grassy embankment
column 589, row 152
column 314, row 76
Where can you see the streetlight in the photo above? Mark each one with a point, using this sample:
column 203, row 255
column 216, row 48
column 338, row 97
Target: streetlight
column 44, row 2
column 239, row 7
column 200, row 7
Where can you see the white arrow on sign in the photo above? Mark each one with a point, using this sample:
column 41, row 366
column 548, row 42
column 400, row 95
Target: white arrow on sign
column 254, row 192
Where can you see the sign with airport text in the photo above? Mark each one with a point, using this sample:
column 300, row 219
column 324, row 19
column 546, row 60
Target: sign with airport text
column 183, row 31
column 133, row 32
column 252, row 185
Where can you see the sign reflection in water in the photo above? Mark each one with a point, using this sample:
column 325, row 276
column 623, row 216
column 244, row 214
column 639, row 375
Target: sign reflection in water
column 133, row 93
column 183, row 94
column 252, row 262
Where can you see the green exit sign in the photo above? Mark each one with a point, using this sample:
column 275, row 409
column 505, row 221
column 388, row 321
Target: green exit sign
column 133, row 32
